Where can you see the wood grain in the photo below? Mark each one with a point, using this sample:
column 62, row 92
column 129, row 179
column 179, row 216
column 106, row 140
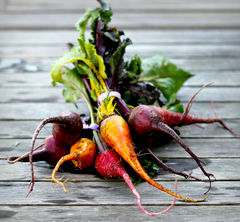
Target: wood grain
column 39, row 111
column 50, row 94
column 102, row 213
column 125, row 21
column 150, row 5
column 203, row 147
column 138, row 36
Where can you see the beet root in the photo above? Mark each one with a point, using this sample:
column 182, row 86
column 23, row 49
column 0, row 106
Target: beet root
column 50, row 152
column 67, row 128
column 147, row 122
column 109, row 165
column 82, row 155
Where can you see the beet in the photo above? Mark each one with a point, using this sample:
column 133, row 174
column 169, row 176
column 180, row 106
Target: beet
column 50, row 152
column 67, row 128
column 147, row 122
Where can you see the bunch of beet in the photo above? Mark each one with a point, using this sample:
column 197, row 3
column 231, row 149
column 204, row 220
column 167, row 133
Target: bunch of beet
column 67, row 128
column 147, row 122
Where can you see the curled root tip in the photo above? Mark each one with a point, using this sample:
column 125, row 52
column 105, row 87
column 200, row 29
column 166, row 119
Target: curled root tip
column 164, row 211
column 206, row 196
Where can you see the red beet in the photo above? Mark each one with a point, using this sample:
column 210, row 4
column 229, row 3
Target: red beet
column 109, row 165
column 147, row 122
column 67, row 129
column 173, row 119
column 50, row 152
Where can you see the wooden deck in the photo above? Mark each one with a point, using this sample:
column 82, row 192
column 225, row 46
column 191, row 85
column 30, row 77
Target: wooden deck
column 201, row 36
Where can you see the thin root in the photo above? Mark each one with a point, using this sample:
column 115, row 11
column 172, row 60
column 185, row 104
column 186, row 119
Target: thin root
column 189, row 105
column 23, row 156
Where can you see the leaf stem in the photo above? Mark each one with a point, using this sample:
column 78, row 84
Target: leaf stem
column 85, row 97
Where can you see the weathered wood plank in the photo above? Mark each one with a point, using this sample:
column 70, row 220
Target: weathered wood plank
column 39, row 111
column 3, row 5
column 103, row 193
column 61, row 37
column 220, row 78
column 203, row 148
column 39, row 95
column 183, row 50
column 209, row 64
column 125, row 21
column 43, row 79
column 33, row 95
column 25, row 130
column 223, row 169
column 195, row 213
column 189, row 64
column 152, row 5
column 24, row 79
column 216, row 94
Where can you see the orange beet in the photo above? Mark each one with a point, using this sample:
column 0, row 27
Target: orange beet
column 82, row 154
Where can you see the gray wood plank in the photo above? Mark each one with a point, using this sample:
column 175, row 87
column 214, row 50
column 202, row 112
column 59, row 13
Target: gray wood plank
column 220, row 78
column 196, row 213
column 209, row 130
column 152, row 5
column 208, row 93
column 39, row 95
column 25, row 129
column 202, row 147
column 3, row 5
column 103, row 193
column 39, row 111
column 207, row 64
column 190, row 36
column 125, row 21
column 33, row 95
column 183, row 50
column 43, row 79
column 189, row 64
column 222, row 169
column 61, row 37
column 25, row 79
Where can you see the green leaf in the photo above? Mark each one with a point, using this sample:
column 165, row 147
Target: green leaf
column 16, row 143
column 113, row 35
column 106, row 12
column 75, row 87
column 172, row 77
column 83, row 69
column 70, row 96
column 174, row 105
column 176, row 108
column 82, row 23
column 166, row 86
column 96, row 60
column 93, row 61
column 72, row 56
column 116, row 62
column 150, row 167
column 134, row 67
